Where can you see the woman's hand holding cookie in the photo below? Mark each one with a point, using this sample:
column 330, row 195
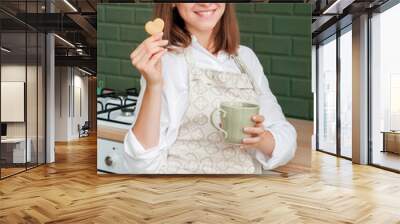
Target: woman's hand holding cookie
column 146, row 58
column 260, row 138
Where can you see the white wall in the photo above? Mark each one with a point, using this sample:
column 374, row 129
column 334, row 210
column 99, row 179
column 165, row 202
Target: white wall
column 13, row 73
column 16, row 73
column 61, row 104
column 33, row 126
column 71, row 93
column 80, row 96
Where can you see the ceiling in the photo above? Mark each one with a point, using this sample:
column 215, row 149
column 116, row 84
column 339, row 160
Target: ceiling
column 332, row 15
column 72, row 20
column 19, row 54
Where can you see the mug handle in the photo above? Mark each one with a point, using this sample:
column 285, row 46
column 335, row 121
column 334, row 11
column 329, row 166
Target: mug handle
column 213, row 121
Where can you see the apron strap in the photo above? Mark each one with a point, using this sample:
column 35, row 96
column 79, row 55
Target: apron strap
column 189, row 58
column 243, row 68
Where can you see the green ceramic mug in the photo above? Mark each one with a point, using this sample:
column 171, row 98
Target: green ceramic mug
column 234, row 117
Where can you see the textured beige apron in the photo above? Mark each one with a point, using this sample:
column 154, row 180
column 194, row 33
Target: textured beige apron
column 199, row 147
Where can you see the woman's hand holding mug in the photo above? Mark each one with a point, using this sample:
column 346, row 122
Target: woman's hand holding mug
column 146, row 58
column 260, row 139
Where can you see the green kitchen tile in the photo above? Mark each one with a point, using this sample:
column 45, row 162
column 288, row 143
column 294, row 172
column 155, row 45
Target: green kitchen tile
column 133, row 33
column 122, row 83
column 276, row 8
column 120, row 14
column 296, row 108
column 279, row 85
column 246, row 40
column 289, row 66
column 273, row 44
column 256, row 23
column 107, row 31
column 108, row 65
column 145, row 4
column 302, row 9
column 302, row 47
column 143, row 15
column 100, row 12
column 265, row 61
column 120, row 49
column 279, row 36
column 127, row 69
column 244, row 7
column 289, row 25
column 301, row 88
column 101, row 48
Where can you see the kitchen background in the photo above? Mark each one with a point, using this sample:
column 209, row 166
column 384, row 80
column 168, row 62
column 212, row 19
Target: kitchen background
column 354, row 82
column 280, row 35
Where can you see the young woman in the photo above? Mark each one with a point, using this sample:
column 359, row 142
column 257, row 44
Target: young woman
column 187, row 70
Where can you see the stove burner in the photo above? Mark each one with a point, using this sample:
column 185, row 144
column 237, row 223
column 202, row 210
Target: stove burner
column 127, row 111
column 125, row 101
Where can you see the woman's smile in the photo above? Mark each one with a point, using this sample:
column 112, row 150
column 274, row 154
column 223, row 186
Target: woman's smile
column 205, row 13
column 201, row 18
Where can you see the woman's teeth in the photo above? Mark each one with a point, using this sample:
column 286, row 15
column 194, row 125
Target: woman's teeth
column 205, row 13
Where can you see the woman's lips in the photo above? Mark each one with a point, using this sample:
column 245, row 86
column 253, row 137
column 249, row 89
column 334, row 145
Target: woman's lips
column 205, row 13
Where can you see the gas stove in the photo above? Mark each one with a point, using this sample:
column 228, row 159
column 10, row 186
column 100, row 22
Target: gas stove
column 115, row 115
column 116, row 107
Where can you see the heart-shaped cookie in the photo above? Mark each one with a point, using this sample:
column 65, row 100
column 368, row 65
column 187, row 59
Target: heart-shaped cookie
column 155, row 26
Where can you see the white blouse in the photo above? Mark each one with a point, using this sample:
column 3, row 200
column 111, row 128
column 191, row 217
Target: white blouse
column 175, row 101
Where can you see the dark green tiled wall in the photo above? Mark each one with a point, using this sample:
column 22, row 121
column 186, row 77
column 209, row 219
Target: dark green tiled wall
column 280, row 34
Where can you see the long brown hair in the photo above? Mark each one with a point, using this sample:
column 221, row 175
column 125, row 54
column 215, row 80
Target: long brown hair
column 226, row 32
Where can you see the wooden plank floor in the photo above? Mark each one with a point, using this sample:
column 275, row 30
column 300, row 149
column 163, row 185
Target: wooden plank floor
column 70, row 191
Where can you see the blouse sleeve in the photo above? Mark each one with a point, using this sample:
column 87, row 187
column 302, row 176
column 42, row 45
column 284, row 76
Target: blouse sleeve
column 137, row 158
column 283, row 132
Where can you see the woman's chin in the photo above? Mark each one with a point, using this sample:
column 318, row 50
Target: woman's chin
column 206, row 28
